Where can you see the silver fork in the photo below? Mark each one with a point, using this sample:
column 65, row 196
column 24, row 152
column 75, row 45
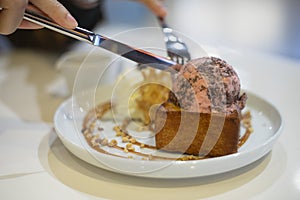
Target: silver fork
column 176, row 49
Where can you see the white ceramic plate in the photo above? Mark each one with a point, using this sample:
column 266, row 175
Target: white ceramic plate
column 266, row 121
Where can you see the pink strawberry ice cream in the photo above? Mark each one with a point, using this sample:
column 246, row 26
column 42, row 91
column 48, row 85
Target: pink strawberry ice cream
column 207, row 85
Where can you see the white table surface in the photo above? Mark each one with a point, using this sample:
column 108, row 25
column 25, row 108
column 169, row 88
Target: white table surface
column 34, row 164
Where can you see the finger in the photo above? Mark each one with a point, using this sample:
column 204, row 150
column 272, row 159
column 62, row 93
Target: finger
column 29, row 25
column 57, row 12
column 156, row 7
column 11, row 15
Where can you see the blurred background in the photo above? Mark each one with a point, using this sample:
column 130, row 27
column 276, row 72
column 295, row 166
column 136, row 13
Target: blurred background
column 268, row 26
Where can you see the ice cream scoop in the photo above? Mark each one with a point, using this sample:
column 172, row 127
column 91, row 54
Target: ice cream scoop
column 207, row 85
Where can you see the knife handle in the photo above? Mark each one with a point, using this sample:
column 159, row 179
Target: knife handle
column 77, row 33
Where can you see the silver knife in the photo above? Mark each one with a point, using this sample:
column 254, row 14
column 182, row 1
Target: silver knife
column 138, row 55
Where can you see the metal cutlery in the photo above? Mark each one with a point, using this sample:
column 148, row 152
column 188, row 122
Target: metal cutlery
column 176, row 49
column 138, row 55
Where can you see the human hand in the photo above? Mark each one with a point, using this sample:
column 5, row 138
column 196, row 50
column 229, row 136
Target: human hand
column 12, row 11
column 156, row 7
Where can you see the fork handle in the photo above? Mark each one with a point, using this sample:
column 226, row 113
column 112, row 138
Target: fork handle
column 162, row 22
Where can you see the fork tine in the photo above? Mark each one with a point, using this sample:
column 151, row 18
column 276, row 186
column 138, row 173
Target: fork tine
column 174, row 57
column 180, row 60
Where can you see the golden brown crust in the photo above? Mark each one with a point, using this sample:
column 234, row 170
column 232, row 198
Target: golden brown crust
column 193, row 133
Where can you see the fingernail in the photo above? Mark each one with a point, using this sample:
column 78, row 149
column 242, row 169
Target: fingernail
column 72, row 21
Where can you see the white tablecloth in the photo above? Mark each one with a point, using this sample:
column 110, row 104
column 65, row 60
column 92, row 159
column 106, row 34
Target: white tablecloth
column 34, row 164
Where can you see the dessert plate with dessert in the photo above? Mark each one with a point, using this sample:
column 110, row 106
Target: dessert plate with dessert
column 190, row 121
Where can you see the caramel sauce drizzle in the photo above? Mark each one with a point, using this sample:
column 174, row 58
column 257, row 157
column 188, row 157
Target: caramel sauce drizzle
column 95, row 142
column 246, row 122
